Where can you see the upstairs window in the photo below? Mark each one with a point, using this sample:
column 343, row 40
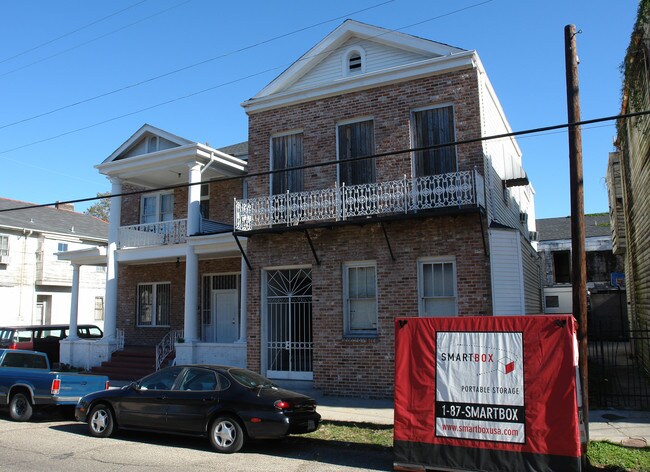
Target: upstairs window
column 62, row 247
column 157, row 207
column 356, row 140
column 4, row 245
column 287, row 152
column 562, row 267
column 205, row 201
column 432, row 127
column 152, row 144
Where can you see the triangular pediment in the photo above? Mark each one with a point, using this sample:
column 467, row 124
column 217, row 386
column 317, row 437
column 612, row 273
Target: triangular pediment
column 378, row 49
column 148, row 139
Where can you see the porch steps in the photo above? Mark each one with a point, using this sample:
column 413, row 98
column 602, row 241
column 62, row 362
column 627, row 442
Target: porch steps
column 131, row 363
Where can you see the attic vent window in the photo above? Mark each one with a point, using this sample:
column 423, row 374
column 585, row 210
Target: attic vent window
column 354, row 64
column 354, row 61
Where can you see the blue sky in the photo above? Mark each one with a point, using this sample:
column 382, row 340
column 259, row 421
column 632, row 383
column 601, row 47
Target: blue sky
column 56, row 54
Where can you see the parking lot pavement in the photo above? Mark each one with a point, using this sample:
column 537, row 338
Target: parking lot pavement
column 56, row 443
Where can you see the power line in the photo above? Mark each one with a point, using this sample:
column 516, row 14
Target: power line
column 193, row 94
column 191, row 66
column 70, row 32
column 95, row 39
column 341, row 161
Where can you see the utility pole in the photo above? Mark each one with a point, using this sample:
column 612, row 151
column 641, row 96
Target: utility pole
column 578, row 258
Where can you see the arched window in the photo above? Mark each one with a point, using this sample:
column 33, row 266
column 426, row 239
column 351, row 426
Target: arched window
column 354, row 61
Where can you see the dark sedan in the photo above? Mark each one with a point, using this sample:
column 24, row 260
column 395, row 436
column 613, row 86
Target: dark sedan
column 227, row 404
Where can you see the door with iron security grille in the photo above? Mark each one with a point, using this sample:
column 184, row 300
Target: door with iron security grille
column 289, row 324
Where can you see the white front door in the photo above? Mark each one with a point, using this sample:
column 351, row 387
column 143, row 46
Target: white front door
column 225, row 316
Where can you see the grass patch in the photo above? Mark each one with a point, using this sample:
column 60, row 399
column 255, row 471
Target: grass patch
column 602, row 456
column 354, row 433
column 613, row 457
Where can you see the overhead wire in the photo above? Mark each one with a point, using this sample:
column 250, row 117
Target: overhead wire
column 94, row 39
column 70, row 33
column 193, row 94
column 190, row 66
column 341, row 161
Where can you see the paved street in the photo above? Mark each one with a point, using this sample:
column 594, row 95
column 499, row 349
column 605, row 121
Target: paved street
column 55, row 443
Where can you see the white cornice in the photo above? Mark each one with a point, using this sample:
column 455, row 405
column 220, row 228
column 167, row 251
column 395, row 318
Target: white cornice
column 429, row 67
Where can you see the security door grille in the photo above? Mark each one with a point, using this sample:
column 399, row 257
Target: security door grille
column 289, row 325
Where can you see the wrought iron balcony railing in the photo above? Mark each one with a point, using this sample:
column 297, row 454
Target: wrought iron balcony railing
column 457, row 189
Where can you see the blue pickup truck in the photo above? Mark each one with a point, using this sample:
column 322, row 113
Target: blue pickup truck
column 26, row 383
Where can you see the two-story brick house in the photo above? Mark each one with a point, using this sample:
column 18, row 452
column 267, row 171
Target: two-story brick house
column 305, row 282
column 338, row 248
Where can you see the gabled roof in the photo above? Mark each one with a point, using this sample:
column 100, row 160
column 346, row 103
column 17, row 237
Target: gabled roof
column 153, row 158
column 138, row 141
column 555, row 229
column 398, row 56
column 51, row 220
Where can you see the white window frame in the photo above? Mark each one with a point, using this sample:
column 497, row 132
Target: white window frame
column 159, row 197
column 62, row 247
column 420, row 270
column 347, row 55
column 5, row 245
column 99, row 308
column 154, row 322
column 347, row 329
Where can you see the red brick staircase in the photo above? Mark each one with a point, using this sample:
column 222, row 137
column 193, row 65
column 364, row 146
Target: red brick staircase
column 131, row 363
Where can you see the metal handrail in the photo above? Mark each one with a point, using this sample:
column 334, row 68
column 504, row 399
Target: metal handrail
column 166, row 346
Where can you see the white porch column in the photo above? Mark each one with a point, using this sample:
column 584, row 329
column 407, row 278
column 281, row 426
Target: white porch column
column 191, row 321
column 243, row 301
column 110, row 318
column 74, row 303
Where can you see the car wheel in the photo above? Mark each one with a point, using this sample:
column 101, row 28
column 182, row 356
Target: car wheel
column 226, row 435
column 101, row 421
column 20, row 409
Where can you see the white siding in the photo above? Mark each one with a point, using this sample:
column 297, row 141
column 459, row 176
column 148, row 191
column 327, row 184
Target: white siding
column 503, row 160
column 507, row 273
column 378, row 57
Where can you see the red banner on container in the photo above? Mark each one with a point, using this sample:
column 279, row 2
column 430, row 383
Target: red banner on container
column 487, row 393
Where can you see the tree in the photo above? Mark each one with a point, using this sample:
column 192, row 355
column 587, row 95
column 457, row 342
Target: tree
column 101, row 208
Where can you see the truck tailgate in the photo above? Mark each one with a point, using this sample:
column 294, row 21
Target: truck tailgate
column 74, row 386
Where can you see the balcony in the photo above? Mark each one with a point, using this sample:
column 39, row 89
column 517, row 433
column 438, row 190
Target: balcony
column 153, row 234
column 454, row 190
column 165, row 233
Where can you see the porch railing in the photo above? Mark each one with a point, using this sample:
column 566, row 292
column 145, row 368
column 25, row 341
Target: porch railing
column 457, row 189
column 167, row 346
column 154, row 234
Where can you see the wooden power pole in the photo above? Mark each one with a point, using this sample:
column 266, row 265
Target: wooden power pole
column 578, row 258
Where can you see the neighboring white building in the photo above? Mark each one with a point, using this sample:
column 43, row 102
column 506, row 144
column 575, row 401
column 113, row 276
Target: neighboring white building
column 35, row 286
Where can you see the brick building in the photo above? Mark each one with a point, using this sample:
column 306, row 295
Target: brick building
column 340, row 247
column 323, row 252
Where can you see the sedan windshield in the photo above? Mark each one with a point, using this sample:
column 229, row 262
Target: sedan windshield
column 250, row 379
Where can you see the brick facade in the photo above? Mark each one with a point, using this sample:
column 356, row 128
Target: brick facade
column 364, row 366
column 389, row 106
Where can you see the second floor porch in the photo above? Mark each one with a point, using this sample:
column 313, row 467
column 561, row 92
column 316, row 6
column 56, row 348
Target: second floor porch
column 461, row 190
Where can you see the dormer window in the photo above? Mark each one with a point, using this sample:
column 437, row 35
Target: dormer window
column 354, row 61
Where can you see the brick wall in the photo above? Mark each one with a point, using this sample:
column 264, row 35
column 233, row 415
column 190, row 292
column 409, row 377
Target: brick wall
column 358, row 366
column 132, row 275
column 390, row 106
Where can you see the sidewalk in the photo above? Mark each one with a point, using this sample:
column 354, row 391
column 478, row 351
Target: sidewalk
column 625, row 427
